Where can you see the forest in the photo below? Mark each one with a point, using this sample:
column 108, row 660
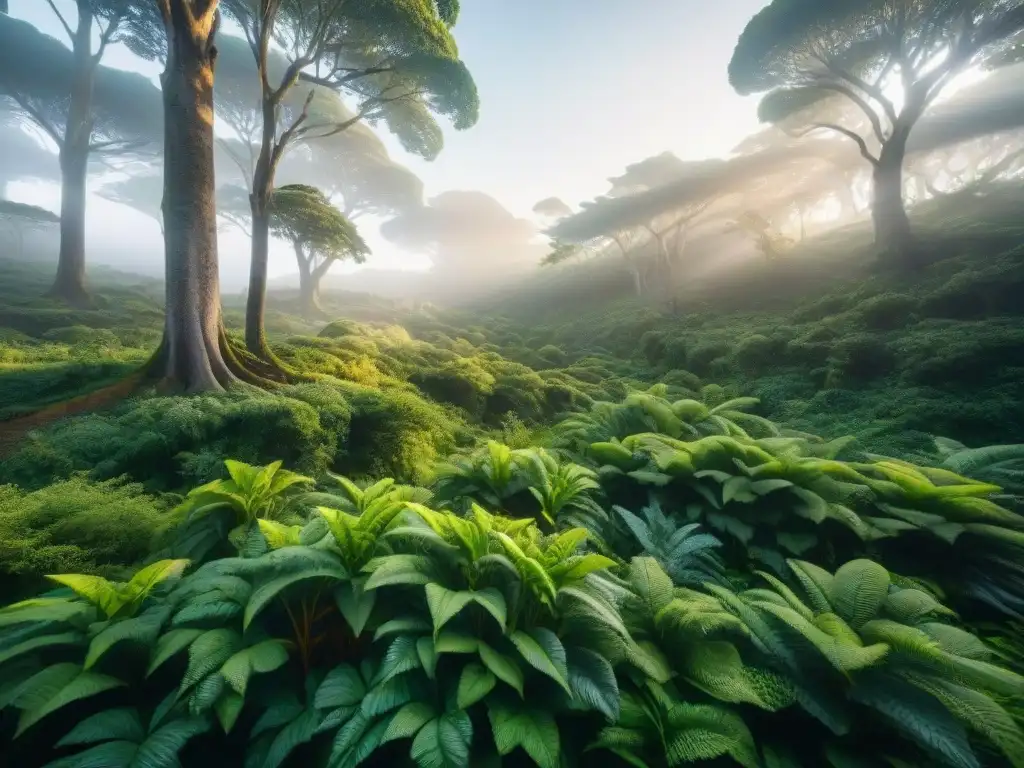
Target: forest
column 723, row 465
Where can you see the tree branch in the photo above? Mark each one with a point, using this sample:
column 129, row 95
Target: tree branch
column 874, row 92
column 38, row 118
column 63, row 21
column 856, row 98
column 853, row 135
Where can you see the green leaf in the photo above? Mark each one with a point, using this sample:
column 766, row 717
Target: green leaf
column 142, row 629
column 504, row 668
column 475, row 682
column 445, row 604
column 343, row 687
column 260, row 658
column 266, row 592
column 146, row 579
column 400, row 657
column 355, row 604
column 113, row 754
column 910, row 605
column 399, row 569
column 403, row 625
column 428, row 655
column 93, row 589
column 171, row 644
column 207, row 653
column 294, row 733
column 592, row 681
column 43, row 641
column 161, row 749
column 386, row 696
column 544, row 652
column 858, row 591
column 43, row 609
column 228, row 707
column 56, row 687
column 918, row 715
column 444, row 742
column 408, row 720
column 651, row 584
column 455, row 642
column 532, row 729
column 206, row 693
column 122, row 724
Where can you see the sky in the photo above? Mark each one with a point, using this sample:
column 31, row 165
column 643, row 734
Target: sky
column 571, row 92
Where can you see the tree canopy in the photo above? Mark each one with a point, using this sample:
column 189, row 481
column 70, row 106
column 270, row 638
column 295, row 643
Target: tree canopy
column 468, row 232
column 36, row 72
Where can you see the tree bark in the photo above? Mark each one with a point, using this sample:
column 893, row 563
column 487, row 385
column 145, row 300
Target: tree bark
column 194, row 354
column 309, row 283
column 256, row 302
column 69, row 284
column 893, row 236
column 259, row 204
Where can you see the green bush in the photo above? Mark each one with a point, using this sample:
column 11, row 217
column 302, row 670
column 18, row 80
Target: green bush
column 74, row 525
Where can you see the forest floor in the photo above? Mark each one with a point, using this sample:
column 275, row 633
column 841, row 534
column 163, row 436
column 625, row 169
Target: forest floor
column 828, row 345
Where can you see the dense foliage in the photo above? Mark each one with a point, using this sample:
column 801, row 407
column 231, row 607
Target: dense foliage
column 545, row 606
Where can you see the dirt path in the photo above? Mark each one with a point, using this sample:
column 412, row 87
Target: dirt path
column 12, row 431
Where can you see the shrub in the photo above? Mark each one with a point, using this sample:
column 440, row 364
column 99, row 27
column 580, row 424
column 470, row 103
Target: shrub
column 887, row 311
column 75, row 524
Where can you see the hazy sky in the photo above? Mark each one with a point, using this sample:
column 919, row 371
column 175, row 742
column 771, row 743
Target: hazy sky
column 571, row 92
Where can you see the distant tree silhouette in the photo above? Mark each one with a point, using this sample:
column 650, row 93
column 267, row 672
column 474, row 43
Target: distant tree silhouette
column 805, row 52
column 336, row 46
column 320, row 234
column 81, row 106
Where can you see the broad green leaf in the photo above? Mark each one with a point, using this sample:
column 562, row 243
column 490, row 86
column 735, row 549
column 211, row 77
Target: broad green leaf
column 122, row 724
column 170, row 644
column 42, row 641
column 113, row 754
column 355, row 604
column 455, row 642
column 141, row 629
column 228, row 707
column 858, row 591
column 445, row 604
column 592, row 681
column 543, row 651
column 532, row 729
column 475, row 682
column 408, row 720
column 260, row 658
column 386, row 696
column 504, row 668
column 266, row 592
column 400, row 657
column 444, row 742
column 94, row 589
column 207, row 653
column 408, row 625
column 161, row 749
column 144, row 581
column 56, row 687
column 343, row 687
column 427, row 655
column 651, row 584
column 44, row 609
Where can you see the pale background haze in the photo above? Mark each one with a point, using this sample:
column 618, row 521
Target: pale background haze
column 571, row 92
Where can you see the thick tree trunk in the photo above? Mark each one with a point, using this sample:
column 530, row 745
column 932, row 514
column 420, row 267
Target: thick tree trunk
column 69, row 284
column 192, row 354
column 893, row 237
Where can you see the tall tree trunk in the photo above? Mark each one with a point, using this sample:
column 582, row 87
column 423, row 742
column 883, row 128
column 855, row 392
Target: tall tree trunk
column 69, row 284
column 3, row 6
column 256, row 302
column 309, row 288
column 259, row 204
column 893, row 237
column 192, row 354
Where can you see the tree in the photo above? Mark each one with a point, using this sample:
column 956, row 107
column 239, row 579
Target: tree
column 473, row 240
column 337, row 46
column 320, row 234
column 552, row 208
column 20, row 216
column 22, row 155
column 805, row 52
column 142, row 191
column 81, row 106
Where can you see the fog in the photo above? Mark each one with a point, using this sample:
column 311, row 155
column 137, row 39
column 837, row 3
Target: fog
column 612, row 161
